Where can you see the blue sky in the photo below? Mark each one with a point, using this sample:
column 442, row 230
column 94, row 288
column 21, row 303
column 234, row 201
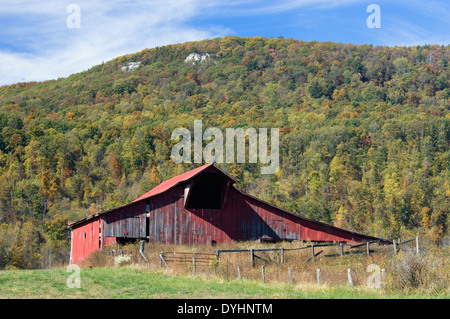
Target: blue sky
column 37, row 43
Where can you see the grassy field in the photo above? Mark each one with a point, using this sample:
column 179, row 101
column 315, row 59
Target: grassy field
column 408, row 275
column 137, row 283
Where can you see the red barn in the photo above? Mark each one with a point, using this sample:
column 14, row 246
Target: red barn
column 198, row 207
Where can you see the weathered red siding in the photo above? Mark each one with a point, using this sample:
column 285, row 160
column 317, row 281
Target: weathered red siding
column 126, row 222
column 109, row 241
column 160, row 216
column 243, row 218
column 85, row 240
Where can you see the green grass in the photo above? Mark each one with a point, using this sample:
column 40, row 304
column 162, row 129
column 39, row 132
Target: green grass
column 139, row 283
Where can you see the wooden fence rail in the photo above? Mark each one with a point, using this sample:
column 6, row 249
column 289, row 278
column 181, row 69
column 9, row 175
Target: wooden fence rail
column 314, row 254
column 185, row 257
column 213, row 258
column 252, row 251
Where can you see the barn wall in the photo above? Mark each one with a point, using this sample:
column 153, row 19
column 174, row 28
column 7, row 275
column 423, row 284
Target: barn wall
column 85, row 240
column 128, row 221
column 243, row 218
column 289, row 226
column 167, row 221
column 317, row 232
column 171, row 223
column 109, row 241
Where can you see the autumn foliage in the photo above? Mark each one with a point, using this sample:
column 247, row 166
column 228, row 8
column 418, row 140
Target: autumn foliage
column 364, row 142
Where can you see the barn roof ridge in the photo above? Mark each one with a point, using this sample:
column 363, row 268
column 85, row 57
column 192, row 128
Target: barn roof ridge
column 172, row 182
column 161, row 188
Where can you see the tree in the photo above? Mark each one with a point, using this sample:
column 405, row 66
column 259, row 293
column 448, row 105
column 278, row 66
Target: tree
column 363, row 143
column 446, row 95
column 315, row 88
column 395, row 203
column 402, row 66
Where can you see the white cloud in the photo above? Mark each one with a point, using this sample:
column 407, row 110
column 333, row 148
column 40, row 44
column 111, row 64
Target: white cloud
column 36, row 44
column 108, row 29
column 414, row 23
column 284, row 6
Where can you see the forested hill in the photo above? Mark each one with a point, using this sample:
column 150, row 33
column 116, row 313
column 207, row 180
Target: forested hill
column 364, row 135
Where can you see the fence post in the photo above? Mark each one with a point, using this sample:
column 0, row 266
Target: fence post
column 395, row 246
column 282, row 255
column 161, row 259
column 318, row 277
column 252, row 257
column 417, row 245
column 263, row 274
column 290, row 275
column 194, row 270
column 312, row 251
column 239, row 271
column 141, row 251
column 342, row 249
column 368, row 249
column 350, row 279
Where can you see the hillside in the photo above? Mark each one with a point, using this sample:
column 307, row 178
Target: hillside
column 364, row 135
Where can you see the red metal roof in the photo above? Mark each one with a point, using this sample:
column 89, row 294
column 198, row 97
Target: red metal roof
column 164, row 186
column 161, row 188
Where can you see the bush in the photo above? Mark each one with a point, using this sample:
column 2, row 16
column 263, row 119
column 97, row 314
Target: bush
column 100, row 258
column 415, row 272
column 122, row 260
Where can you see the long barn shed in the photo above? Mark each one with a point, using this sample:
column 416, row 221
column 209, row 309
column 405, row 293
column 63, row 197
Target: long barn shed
column 201, row 206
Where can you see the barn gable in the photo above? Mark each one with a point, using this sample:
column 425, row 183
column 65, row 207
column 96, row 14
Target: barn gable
column 201, row 206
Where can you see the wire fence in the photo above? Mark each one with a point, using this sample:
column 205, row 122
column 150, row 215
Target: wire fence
column 277, row 264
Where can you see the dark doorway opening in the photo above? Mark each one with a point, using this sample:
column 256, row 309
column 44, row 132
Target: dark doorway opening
column 125, row 240
column 207, row 192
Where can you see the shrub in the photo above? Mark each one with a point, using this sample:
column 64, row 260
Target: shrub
column 414, row 272
column 122, row 260
column 100, row 258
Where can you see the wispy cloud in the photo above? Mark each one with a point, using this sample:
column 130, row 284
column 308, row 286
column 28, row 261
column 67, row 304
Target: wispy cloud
column 264, row 7
column 40, row 46
column 36, row 44
column 413, row 22
column 282, row 6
